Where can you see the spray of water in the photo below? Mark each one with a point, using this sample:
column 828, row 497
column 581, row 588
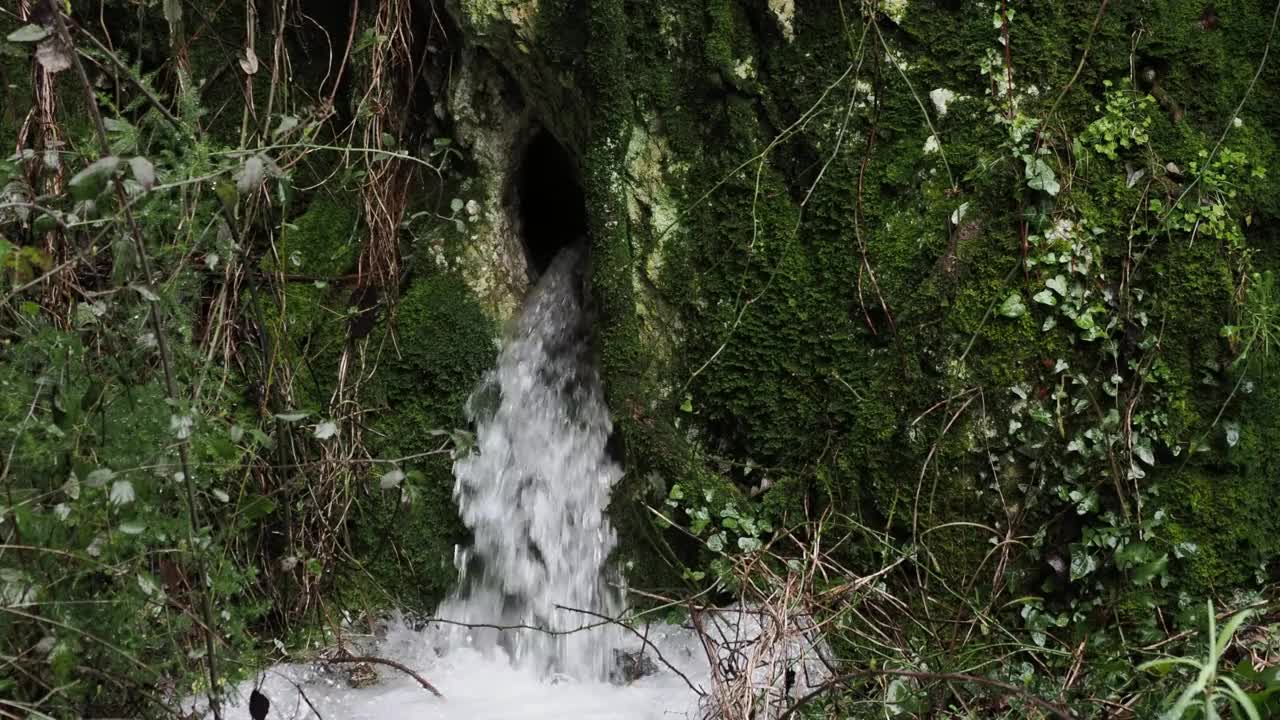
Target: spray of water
column 534, row 492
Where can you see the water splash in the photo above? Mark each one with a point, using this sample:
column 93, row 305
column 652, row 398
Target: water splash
column 534, row 494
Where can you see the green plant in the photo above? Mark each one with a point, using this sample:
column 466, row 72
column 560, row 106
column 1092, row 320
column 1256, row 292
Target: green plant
column 1210, row 690
column 1257, row 331
column 726, row 527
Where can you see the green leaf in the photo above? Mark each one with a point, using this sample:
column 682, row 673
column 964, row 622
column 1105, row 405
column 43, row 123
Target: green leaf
column 1058, row 284
column 1146, row 572
column 99, row 477
column 1013, row 307
column 1241, row 699
column 1044, row 297
column 143, row 171
column 326, row 430
column 89, row 182
column 1040, row 176
column 121, row 492
column 28, row 34
column 1229, row 630
column 1162, row 666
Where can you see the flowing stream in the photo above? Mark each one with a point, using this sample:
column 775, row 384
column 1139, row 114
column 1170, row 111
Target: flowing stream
column 533, row 494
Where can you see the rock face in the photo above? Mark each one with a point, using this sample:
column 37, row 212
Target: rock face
column 920, row 263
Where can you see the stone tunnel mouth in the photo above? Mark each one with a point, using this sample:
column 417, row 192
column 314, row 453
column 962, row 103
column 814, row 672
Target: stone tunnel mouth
column 550, row 204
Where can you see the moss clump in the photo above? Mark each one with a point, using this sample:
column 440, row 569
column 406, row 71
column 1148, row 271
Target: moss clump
column 443, row 344
column 1230, row 521
column 322, row 240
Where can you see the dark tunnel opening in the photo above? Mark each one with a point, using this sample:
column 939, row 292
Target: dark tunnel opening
column 552, row 205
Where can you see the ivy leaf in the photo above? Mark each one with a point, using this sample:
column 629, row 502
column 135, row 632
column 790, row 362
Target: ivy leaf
column 1040, row 176
column 53, row 56
column 1144, row 574
column 98, row 478
column 121, row 492
column 1081, row 565
column 287, row 123
column 172, row 11
column 251, row 175
column 1044, row 297
column 143, row 171
column 180, row 426
column 1057, row 284
column 1013, row 307
column 147, row 585
column 1143, row 451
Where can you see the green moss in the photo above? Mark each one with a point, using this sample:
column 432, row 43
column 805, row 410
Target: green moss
column 1230, row 519
column 443, row 345
column 322, row 241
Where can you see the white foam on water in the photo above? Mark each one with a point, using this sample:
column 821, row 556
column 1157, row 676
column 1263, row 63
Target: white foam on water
column 477, row 686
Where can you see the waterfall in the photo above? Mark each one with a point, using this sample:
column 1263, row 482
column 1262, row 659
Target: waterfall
column 534, row 492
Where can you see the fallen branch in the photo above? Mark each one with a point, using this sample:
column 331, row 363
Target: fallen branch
column 389, row 663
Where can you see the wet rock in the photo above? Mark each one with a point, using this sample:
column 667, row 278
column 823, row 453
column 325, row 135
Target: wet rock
column 361, row 675
column 631, row 666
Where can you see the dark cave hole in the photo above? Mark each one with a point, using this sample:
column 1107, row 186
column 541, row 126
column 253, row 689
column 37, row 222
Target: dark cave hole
column 551, row 203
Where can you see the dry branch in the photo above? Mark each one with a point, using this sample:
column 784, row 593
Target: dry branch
column 389, row 663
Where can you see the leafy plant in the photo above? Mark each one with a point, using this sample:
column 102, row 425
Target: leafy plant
column 1209, row 691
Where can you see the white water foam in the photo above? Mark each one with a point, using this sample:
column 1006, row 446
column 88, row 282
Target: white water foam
column 478, row 686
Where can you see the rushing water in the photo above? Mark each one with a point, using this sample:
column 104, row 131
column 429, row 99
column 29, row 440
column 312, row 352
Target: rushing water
column 534, row 494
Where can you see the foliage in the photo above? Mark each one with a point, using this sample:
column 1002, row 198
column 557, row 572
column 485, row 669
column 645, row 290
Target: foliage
column 180, row 306
column 1209, row 691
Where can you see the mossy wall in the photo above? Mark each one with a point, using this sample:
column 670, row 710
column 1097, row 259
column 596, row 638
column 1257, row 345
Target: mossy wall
column 808, row 287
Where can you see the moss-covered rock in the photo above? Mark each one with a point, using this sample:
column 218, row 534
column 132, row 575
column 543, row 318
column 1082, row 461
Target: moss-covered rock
column 440, row 345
